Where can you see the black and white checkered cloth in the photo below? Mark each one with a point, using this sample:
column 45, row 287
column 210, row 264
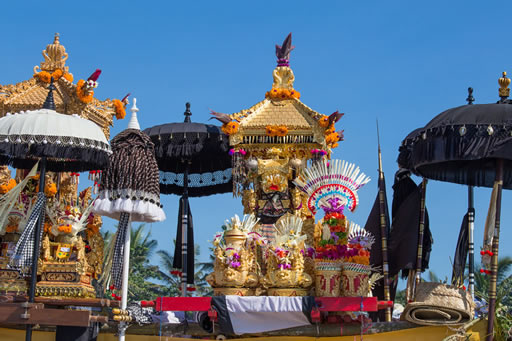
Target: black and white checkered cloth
column 23, row 251
column 117, row 261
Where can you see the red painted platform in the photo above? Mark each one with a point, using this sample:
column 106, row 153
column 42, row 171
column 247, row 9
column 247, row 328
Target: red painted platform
column 323, row 304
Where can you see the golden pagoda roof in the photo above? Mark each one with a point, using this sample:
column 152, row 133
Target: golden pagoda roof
column 281, row 118
column 31, row 94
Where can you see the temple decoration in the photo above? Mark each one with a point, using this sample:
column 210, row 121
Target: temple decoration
column 342, row 248
column 285, row 260
column 236, row 270
column 72, row 247
column 271, row 141
column 70, row 98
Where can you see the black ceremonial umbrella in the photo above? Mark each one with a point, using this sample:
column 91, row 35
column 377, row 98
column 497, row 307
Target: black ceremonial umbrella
column 194, row 161
column 472, row 145
column 60, row 143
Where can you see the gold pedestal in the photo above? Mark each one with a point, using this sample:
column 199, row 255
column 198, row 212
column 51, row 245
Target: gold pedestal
column 11, row 281
column 64, row 279
column 289, row 292
column 234, row 291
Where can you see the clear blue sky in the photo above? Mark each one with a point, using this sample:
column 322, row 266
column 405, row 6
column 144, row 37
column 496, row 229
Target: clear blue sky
column 402, row 62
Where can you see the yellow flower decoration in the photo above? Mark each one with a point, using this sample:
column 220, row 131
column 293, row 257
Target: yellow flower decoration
column 50, row 190
column 230, row 127
column 4, row 188
column 68, row 77
column 282, row 94
column 82, row 95
column 323, row 121
column 120, row 109
column 276, row 130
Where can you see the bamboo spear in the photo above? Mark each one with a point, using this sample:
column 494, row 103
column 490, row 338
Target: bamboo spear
column 419, row 256
column 383, row 229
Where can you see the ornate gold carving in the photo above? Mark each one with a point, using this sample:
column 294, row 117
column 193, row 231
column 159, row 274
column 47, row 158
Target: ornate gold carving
column 55, row 57
column 249, row 201
column 283, row 78
column 504, row 82
column 285, row 257
column 235, row 263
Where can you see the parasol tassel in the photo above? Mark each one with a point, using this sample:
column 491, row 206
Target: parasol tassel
column 178, row 259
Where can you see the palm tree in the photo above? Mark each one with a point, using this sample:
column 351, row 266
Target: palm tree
column 482, row 280
column 173, row 281
column 141, row 272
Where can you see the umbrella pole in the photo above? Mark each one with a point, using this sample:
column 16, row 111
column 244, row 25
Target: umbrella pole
column 495, row 247
column 126, row 270
column 184, row 234
column 37, row 246
column 471, row 248
column 419, row 256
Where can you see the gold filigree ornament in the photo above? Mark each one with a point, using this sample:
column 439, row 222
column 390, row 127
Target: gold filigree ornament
column 236, row 270
column 504, row 82
column 285, row 260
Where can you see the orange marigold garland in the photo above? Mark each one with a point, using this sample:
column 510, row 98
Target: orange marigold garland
column 50, row 190
column 276, row 130
column 282, row 94
column 68, row 77
column 85, row 97
column 45, row 76
column 65, row 228
column 323, row 121
column 4, row 188
column 230, row 127
column 120, row 109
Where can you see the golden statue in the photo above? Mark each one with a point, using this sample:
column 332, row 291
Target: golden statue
column 285, row 260
column 236, row 271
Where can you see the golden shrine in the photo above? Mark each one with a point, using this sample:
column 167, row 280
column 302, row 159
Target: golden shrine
column 72, row 247
column 70, row 98
column 272, row 143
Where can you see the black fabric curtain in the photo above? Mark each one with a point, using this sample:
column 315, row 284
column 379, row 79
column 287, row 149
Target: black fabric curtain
column 461, row 253
column 403, row 238
column 177, row 260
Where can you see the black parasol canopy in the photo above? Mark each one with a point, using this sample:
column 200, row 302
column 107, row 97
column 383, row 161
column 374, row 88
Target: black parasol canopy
column 461, row 145
column 200, row 149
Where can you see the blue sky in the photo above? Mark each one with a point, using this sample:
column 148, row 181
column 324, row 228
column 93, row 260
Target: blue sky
column 402, row 62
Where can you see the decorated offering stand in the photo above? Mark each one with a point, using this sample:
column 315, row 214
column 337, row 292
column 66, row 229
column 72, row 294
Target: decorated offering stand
column 48, row 232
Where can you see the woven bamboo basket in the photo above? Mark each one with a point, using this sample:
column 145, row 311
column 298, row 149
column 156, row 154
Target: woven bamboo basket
column 439, row 304
column 328, row 278
column 356, row 280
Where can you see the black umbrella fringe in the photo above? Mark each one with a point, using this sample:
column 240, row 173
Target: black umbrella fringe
column 198, row 191
column 466, row 159
column 133, row 166
column 60, row 158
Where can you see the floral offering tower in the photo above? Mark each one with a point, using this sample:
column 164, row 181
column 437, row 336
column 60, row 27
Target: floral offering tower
column 341, row 249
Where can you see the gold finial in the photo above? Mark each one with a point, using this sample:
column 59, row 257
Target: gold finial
column 55, row 56
column 504, row 82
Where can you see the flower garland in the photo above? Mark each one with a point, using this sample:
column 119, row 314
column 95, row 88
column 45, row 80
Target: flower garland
column 120, row 109
column 83, row 95
column 45, row 76
column 276, row 130
column 50, row 190
column 323, row 121
column 6, row 187
column 230, row 128
column 65, row 228
column 282, row 94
